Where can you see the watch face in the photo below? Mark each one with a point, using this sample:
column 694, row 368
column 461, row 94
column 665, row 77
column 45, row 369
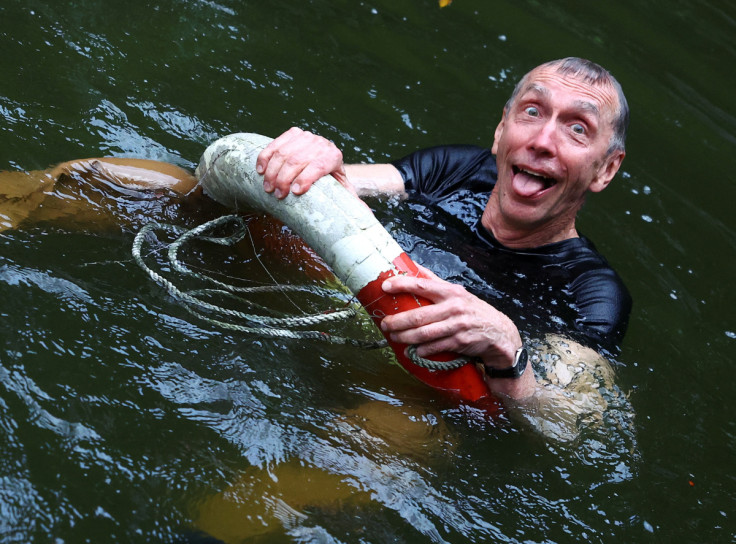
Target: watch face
column 522, row 358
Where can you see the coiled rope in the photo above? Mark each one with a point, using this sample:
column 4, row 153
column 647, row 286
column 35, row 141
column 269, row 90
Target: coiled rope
column 261, row 325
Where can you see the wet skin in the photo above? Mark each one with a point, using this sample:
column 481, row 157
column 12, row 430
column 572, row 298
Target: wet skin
column 551, row 149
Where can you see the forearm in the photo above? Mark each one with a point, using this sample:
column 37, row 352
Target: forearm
column 575, row 386
column 516, row 388
column 370, row 180
column 459, row 322
column 296, row 159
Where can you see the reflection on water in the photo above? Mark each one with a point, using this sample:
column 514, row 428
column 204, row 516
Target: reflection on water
column 228, row 434
column 360, row 457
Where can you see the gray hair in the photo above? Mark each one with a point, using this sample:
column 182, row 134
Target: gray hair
column 593, row 74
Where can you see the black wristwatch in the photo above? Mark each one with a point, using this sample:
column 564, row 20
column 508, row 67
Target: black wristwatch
column 520, row 361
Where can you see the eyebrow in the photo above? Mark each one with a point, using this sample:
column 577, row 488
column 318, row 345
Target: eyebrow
column 588, row 106
column 537, row 88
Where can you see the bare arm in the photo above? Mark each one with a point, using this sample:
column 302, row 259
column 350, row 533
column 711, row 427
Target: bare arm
column 575, row 392
column 461, row 322
column 566, row 389
column 375, row 180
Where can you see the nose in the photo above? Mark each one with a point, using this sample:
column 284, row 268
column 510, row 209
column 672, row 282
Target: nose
column 544, row 139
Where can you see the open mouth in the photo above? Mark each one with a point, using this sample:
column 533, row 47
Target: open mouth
column 528, row 183
column 548, row 182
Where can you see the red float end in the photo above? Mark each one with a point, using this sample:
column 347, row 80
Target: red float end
column 465, row 382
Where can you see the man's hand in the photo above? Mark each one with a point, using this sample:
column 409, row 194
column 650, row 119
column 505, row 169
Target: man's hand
column 458, row 322
column 296, row 159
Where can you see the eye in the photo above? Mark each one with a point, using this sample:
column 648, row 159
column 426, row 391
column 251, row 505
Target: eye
column 577, row 128
column 531, row 111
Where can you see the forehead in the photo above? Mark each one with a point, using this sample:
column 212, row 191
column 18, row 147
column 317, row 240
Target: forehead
column 546, row 82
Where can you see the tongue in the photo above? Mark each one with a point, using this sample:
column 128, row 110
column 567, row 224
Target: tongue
column 528, row 185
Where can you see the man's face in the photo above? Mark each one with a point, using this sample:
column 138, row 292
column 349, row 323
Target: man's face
column 551, row 148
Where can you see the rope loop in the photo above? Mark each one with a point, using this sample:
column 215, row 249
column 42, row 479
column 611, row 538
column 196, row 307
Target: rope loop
column 436, row 365
column 262, row 325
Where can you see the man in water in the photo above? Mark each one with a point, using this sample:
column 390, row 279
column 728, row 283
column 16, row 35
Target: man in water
column 561, row 135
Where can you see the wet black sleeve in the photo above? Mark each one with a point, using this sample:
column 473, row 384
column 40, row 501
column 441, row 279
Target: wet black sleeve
column 603, row 304
column 436, row 172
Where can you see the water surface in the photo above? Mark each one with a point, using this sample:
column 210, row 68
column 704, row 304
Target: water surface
column 123, row 418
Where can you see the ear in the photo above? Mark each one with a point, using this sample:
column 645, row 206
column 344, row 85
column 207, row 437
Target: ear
column 607, row 171
column 498, row 133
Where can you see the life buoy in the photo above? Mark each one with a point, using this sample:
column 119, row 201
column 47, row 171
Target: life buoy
column 345, row 233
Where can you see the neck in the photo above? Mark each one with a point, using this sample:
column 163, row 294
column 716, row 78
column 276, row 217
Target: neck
column 527, row 236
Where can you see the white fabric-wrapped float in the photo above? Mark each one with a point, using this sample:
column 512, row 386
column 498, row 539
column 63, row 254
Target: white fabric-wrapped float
column 345, row 233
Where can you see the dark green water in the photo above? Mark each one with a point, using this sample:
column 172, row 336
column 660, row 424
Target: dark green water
column 121, row 416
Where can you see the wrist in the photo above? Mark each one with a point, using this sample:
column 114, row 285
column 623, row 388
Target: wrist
column 504, row 348
column 515, row 370
column 505, row 357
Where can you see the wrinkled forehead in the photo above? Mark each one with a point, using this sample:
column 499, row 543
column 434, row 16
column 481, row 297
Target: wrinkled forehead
column 597, row 97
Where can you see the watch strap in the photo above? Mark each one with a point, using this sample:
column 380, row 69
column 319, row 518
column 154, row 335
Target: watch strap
column 521, row 359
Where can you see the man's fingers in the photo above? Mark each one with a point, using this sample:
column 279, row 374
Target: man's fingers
column 411, row 319
column 421, row 335
column 438, row 346
column 273, row 167
column 306, row 179
column 265, row 156
column 434, row 289
column 295, row 160
column 431, row 339
column 270, row 161
column 288, row 171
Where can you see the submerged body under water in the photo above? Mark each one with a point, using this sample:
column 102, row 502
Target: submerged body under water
column 366, row 456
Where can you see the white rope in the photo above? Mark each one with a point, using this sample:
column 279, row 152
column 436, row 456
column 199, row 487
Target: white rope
column 262, row 325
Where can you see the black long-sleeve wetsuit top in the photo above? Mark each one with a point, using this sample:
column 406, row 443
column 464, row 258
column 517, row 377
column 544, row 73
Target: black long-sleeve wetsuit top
column 565, row 287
